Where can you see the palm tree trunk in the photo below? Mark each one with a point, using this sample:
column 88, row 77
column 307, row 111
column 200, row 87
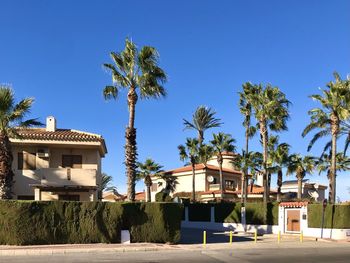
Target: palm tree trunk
column 332, row 185
column 193, row 182
column 6, row 173
column 300, row 183
column 263, row 132
column 148, row 199
column 200, row 137
column 130, row 146
column 279, row 184
column 243, row 190
column 222, row 184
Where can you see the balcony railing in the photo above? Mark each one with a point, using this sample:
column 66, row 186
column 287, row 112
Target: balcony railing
column 67, row 177
column 213, row 187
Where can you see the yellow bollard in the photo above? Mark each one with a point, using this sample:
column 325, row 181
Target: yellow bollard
column 279, row 237
column 230, row 237
column 301, row 236
column 255, row 235
column 204, row 238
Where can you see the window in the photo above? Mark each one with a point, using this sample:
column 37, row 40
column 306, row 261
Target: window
column 26, row 161
column 154, row 187
column 72, row 161
column 230, row 184
column 69, row 197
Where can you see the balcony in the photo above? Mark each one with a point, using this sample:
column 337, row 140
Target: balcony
column 214, row 187
column 67, row 177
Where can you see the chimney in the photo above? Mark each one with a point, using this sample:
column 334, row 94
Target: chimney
column 259, row 179
column 50, row 124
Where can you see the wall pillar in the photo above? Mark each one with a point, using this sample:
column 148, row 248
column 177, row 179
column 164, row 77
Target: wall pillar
column 37, row 194
column 186, row 214
column 281, row 219
column 212, row 214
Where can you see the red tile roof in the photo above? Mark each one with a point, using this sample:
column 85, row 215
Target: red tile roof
column 58, row 135
column 293, row 204
column 217, row 192
column 202, row 167
column 257, row 189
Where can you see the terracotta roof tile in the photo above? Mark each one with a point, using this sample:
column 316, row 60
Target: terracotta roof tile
column 293, row 204
column 256, row 190
column 59, row 135
column 201, row 167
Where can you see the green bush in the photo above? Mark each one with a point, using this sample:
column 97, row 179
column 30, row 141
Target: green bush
column 336, row 216
column 26, row 223
column 163, row 197
column 199, row 212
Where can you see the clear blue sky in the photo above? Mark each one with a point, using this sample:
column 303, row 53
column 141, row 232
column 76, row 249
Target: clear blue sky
column 53, row 51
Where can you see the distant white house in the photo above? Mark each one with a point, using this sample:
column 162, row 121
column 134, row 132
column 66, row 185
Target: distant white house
column 309, row 189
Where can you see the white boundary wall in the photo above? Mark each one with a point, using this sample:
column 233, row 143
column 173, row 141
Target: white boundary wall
column 337, row 234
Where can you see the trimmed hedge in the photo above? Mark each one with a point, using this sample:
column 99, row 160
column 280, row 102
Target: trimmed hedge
column 199, row 212
column 339, row 214
column 27, row 223
column 228, row 212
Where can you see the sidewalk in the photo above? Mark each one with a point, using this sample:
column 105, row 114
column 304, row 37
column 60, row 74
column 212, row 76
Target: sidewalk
column 267, row 241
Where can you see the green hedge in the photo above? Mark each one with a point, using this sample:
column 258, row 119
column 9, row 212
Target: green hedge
column 339, row 214
column 199, row 212
column 258, row 214
column 228, row 212
column 26, row 223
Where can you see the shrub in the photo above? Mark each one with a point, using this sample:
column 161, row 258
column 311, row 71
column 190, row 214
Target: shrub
column 336, row 216
column 163, row 197
column 199, row 212
column 25, row 223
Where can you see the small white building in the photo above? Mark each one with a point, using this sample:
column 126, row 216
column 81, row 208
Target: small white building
column 309, row 189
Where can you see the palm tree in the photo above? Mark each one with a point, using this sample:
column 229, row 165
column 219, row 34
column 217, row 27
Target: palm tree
column 106, row 183
column 137, row 71
column 145, row 170
column 270, row 108
column 323, row 164
column 301, row 165
column 11, row 118
column 222, row 143
column 248, row 163
column 335, row 102
column 202, row 120
column 190, row 151
column 245, row 108
column 279, row 158
column 170, row 182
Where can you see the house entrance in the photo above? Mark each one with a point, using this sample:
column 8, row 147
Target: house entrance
column 293, row 220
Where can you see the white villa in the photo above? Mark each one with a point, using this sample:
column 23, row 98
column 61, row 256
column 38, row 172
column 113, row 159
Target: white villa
column 57, row 164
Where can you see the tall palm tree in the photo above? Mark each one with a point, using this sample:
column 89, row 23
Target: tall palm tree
column 279, row 158
column 248, row 163
column 145, row 170
column 191, row 151
column 202, row 120
column 301, row 166
column 335, row 102
column 270, row 107
column 245, row 108
column 12, row 117
column 324, row 163
column 139, row 73
column 222, row 143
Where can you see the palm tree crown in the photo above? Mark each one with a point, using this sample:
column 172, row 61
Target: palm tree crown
column 138, row 71
column 329, row 120
column 145, row 170
column 301, row 165
column 12, row 117
column 202, row 120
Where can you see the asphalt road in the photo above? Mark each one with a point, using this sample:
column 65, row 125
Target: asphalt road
column 334, row 254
